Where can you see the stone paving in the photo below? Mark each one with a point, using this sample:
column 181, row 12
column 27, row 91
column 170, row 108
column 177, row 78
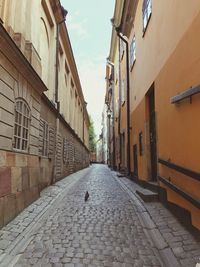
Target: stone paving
column 104, row 231
column 113, row 228
column 14, row 236
column 185, row 245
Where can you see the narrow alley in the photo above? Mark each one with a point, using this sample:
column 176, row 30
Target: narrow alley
column 99, row 133
column 114, row 227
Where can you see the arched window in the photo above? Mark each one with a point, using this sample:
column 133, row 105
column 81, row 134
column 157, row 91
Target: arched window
column 21, row 127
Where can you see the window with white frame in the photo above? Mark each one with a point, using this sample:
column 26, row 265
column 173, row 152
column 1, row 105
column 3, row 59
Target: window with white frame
column 122, row 48
column 146, row 11
column 21, row 127
column 133, row 52
column 123, row 92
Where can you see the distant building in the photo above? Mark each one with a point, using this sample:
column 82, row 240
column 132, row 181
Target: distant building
column 43, row 118
column 104, row 135
column 99, row 149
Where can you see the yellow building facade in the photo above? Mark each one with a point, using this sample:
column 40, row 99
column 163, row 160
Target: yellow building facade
column 164, row 85
column 43, row 117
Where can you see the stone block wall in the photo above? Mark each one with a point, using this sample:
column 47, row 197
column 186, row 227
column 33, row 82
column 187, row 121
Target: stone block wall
column 19, row 183
column 54, row 150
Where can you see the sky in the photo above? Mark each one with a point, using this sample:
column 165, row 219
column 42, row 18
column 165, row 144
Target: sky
column 89, row 27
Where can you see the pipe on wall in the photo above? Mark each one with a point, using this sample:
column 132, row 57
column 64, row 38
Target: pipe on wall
column 128, row 98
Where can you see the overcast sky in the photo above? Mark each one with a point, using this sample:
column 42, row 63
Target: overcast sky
column 88, row 23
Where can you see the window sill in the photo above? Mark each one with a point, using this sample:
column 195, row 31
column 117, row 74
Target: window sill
column 20, row 151
column 43, row 157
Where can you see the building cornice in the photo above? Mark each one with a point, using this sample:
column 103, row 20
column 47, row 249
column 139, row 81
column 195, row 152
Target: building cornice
column 17, row 58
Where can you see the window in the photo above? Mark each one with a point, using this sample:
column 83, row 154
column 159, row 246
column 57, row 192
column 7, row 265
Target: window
column 44, row 138
column 146, row 10
column 121, row 49
column 132, row 52
column 21, row 127
column 123, row 93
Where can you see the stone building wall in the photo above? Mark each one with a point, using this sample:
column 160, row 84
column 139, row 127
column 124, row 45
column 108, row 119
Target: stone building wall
column 37, row 145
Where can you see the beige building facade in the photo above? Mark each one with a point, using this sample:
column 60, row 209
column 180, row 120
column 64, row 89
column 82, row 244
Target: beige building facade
column 43, row 117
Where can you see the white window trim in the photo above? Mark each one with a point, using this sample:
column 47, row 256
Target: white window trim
column 19, row 126
column 146, row 14
column 133, row 52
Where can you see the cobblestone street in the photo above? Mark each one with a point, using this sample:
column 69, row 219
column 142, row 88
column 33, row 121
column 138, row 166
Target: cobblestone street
column 113, row 228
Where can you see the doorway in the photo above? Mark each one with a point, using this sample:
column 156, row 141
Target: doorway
column 152, row 133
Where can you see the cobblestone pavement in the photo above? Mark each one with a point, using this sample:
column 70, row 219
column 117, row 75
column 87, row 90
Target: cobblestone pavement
column 113, row 228
column 104, row 231
column 185, row 245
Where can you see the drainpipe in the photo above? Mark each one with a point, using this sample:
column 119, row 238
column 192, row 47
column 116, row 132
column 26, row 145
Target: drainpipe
column 119, row 105
column 57, row 57
column 128, row 98
column 109, row 145
column 83, row 126
column 64, row 12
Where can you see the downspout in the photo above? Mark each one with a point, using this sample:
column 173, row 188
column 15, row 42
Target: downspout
column 128, row 99
column 119, row 106
column 57, row 60
column 56, row 88
column 113, row 110
column 83, row 125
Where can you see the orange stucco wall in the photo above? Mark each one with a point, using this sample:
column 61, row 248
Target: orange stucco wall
column 178, row 127
column 168, row 55
column 169, row 21
column 139, row 122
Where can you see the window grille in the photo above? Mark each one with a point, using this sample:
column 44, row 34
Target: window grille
column 21, row 126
